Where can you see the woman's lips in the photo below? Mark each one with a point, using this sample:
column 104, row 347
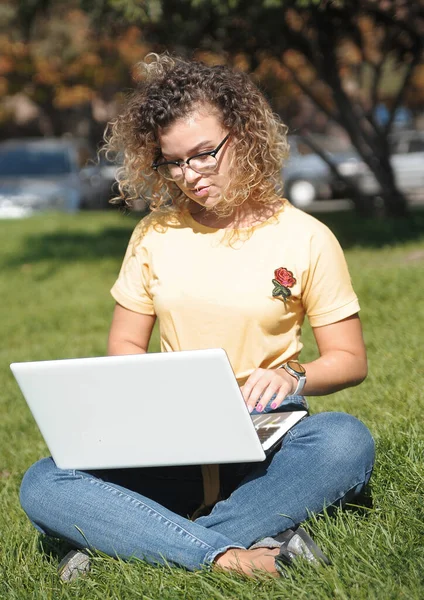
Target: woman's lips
column 201, row 191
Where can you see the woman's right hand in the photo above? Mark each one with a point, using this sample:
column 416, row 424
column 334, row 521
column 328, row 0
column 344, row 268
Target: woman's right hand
column 267, row 385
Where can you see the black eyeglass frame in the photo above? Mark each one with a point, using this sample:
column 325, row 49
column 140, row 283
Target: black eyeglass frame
column 181, row 163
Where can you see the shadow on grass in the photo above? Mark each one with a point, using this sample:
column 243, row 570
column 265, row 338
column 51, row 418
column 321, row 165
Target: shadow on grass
column 52, row 548
column 64, row 246
column 352, row 230
column 361, row 504
column 70, row 246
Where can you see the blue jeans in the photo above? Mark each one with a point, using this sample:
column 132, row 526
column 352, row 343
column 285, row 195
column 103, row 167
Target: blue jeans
column 326, row 459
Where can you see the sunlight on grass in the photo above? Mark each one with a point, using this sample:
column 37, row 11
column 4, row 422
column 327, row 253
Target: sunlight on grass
column 56, row 274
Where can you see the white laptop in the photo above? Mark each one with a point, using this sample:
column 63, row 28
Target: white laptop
column 145, row 410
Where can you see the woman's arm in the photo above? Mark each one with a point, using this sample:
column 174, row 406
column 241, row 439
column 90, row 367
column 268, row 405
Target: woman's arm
column 129, row 332
column 342, row 363
column 343, row 360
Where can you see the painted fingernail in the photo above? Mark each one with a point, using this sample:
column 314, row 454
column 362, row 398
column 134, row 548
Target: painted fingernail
column 250, row 408
column 259, row 408
column 274, row 405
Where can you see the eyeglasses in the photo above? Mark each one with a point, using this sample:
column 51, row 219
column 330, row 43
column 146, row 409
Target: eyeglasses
column 203, row 163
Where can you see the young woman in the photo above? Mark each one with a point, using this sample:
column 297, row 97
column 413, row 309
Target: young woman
column 222, row 261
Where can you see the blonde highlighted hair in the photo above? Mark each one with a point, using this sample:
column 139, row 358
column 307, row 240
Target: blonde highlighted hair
column 172, row 88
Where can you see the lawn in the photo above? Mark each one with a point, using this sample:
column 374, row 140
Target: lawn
column 56, row 274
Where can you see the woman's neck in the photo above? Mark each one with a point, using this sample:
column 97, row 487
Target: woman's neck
column 243, row 216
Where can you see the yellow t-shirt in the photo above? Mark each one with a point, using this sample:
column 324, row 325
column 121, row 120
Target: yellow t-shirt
column 209, row 292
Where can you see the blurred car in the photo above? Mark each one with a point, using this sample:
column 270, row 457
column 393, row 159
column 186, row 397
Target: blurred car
column 407, row 161
column 307, row 177
column 50, row 173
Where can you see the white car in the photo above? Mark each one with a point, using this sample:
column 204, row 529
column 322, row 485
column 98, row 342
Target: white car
column 49, row 173
column 407, row 161
column 307, row 177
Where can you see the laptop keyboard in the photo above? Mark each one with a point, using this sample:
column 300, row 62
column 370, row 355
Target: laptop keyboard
column 264, row 433
column 266, row 425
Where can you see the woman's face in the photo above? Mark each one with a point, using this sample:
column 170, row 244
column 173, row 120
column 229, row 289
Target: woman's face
column 199, row 132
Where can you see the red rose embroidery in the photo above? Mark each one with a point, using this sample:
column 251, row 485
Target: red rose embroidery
column 283, row 281
column 284, row 277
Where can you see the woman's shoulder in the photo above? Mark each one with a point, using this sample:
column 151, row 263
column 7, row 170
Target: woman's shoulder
column 302, row 224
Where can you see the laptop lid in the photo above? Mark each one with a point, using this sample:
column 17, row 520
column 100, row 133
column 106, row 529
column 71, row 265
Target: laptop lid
column 140, row 410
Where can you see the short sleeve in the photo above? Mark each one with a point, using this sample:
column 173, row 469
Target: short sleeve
column 132, row 288
column 327, row 292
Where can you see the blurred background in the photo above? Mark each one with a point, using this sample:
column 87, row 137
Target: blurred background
column 347, row 77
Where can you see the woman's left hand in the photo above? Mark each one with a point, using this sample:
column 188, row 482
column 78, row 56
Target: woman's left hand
column 342, row 362
column 263, row 384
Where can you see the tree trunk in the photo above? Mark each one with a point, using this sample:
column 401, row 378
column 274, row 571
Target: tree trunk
column 394, row 202
column 371, row 144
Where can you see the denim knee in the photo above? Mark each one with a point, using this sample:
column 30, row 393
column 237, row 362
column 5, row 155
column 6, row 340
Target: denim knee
column 36, row 484
column 344, row 444
column 344, row 438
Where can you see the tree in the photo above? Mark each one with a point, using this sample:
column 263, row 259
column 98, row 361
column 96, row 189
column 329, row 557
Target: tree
column 338, row 53
column 72, row 73
column 347, row 56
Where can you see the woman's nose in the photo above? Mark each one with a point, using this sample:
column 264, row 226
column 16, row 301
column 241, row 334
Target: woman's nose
column 190, row 175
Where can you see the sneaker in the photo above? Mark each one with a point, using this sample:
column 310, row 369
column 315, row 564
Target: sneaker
column 297, row 543
column 293, row 544
column 74, row 564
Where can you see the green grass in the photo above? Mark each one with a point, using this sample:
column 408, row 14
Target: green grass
column 56, row 271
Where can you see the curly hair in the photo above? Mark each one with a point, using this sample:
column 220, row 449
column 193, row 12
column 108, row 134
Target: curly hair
column 171, row 88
